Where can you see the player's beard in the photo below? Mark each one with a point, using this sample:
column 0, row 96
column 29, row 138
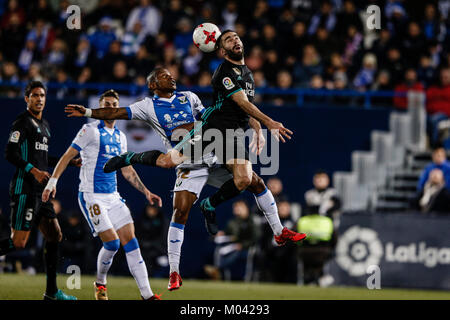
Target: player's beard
column 235, row 56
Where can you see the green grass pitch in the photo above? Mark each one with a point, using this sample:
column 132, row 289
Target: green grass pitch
column 24, row 287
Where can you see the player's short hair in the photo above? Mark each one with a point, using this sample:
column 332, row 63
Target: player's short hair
column 32, row 85
column 320, row 172
column 219, row 39
column 109, row 93
column 152, row 76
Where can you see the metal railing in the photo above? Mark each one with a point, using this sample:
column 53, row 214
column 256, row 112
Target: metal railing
column 298, row 93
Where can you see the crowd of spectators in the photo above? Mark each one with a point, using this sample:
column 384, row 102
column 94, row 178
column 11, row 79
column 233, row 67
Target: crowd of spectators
column 288, row 44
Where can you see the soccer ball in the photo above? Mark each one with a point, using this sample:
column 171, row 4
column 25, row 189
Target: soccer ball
column 205, row 36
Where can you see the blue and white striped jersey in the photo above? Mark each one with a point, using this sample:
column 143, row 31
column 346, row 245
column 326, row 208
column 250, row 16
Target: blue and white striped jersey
column 97, row 144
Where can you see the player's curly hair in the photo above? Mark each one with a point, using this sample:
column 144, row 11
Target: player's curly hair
column 109, row 93
column 152, row 76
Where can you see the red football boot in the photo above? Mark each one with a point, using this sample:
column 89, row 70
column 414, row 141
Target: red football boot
column 175, row 281
column 289, row 235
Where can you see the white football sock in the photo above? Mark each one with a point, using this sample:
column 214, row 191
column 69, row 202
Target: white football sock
column 105, row 258
column 268, row 206
column 137, row 267
column 175, row 239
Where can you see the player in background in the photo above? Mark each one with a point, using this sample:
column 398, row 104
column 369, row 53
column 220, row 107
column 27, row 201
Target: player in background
column 27, row 150
column 105, row 211
column 159, row 112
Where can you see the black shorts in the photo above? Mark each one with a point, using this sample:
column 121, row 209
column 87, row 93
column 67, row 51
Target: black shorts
column 225, row 147
column 27, row 209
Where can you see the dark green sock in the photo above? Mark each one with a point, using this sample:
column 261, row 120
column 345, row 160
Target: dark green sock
column 147, row 158
column 226, row 192
column 51, row 264
column 6, row 246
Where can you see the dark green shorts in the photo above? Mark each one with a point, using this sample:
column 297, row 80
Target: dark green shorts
column 27, row 209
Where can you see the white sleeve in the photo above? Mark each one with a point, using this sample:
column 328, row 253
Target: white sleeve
column 196, row 104
column 140, row 110
column 83, row 137
column 123, row 143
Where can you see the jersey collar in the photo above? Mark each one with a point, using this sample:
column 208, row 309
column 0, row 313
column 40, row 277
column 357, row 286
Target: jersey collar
column 156, row 97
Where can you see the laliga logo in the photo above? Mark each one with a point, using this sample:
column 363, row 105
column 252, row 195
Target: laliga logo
column 357, row 249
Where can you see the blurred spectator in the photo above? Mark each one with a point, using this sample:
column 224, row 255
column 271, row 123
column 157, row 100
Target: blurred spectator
column 348, row 17
column 295, row 42
column 13, row 9
column 323, row 199
column 170, row 16
column 325, row 17
column 410, row 84
column 235, row 244
column 381, row 45
column 309, row 65
column 183, row 39
column 142, row 64
column 204, row 79
column 439, row 161
column 9, row 73
column 113, row 55
column 147, row 14
column 279, row 264
column 151, row 230
column 317, row 249
column 271, row 66
column 120, row 72
column 56, row 57
column 425, row 71
column 435, row 195
column 366, row 75
column 255, row 60
column 62, row 79
column 324, row 43
column 42, row 10
column 394, row 65
column 229, row 15
column 27, row 56
column 413, row 44
column 284, row 82
column 191, row 63
column 83, row 56
column 382, row 83
column 75, row 246
column 34, row 73
column 132, row 39
column 438, row 97
column 12, row 38
column 85, row 77
column 42, row 34
column 102, row 37
column 433, row 27
column 353, row 43
column 275, row 185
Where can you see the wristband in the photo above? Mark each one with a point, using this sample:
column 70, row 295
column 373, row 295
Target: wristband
column 51, row 184
column 88, row 113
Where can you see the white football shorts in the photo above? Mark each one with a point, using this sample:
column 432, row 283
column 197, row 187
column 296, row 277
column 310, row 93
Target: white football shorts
column 104, row 211
column 193, row 180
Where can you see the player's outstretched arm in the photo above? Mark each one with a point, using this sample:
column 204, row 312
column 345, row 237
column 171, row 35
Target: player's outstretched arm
column 75, row 110
column 276, row 128
column 50, row 189
column 132, row 177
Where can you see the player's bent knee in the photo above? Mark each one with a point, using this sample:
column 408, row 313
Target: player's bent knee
column 257, row 186
column 242, row 182
column 180, row 214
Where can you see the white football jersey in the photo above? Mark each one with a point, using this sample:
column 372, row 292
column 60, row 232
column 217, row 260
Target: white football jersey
column 164, row 115
column 97, row 144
